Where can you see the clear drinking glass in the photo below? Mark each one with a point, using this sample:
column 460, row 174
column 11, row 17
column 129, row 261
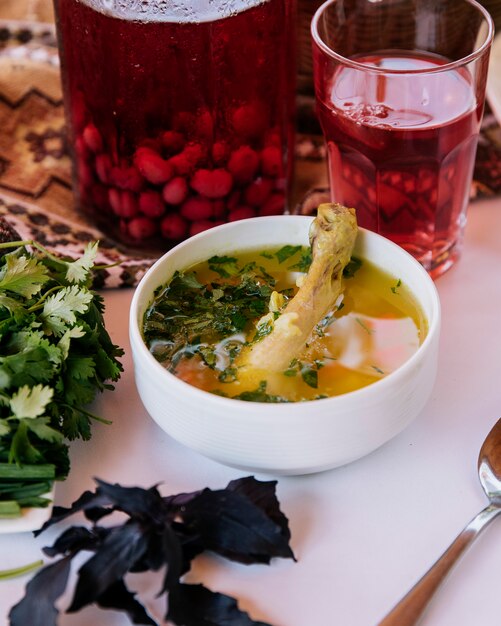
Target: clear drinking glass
column 400, row 88
column 180, row 113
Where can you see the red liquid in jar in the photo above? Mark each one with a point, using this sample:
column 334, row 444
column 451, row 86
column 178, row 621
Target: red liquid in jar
column 402, row 150
column 177, row 125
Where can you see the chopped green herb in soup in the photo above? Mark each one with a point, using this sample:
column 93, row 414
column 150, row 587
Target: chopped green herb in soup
column 203, row 323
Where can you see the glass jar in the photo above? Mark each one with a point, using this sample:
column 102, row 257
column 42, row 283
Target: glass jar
column 180, row 115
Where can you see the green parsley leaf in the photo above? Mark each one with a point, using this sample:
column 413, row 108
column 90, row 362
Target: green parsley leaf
column 107, row 366
column 286, row 252
column 239, row 320
column 208, row 355
column 55, row 356
column 303, row 265
column 76, row 424
column 82, row 367
column 78, row 271
column 40, row 426
column 181, row 318
column 21, row 449
column 217, row 294
column 249, row 267
column 352, row 268
column 228, row 375
column 22, row 275
column 396, row 286
column 293, row 369
column 30, row 340
column 262, row 330
column 77, row 332
column 31, row 401
column 310, row 377
column 259, row 395
column 27, row 367
column 60, row 309
column 189, row 280
column 225, row 266
column 10, row 304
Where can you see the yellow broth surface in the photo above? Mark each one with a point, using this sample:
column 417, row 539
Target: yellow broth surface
column 375, row 327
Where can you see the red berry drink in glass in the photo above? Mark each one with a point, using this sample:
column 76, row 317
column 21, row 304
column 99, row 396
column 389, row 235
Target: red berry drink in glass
column 404, row 157
column 180, row 120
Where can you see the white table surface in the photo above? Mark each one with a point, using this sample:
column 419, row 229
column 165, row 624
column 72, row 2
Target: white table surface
column 363, row 533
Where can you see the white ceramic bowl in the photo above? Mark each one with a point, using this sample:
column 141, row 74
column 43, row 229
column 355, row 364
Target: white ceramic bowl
column 291, row 438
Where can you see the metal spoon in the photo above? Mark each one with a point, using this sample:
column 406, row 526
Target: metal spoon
column 410, row 609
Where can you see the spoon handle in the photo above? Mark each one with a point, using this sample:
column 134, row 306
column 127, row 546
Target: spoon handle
column 410, row 609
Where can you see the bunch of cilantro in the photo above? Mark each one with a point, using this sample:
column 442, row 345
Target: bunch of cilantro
column 55, row 355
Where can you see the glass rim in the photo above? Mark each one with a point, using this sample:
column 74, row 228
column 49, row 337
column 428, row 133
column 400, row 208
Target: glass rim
column 318, row 41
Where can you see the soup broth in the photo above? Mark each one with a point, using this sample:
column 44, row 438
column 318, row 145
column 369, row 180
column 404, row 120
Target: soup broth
column 199, row 324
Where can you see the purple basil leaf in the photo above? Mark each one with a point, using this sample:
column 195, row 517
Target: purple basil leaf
column 180, row 499
column 190, row 539
column 195, row 605
column 163, row 548
column 121, row 548
column 89, row 500
column 37, row 607
column 118, row 597
column 174, row 559
column 135, row 501
column 154, row 556
column 73, row 540
column 263, row 495
column 191, row 543
column 242, row 522
column 230, row 524
column 96, row 513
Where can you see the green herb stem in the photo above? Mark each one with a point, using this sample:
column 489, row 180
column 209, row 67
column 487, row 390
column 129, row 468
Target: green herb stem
column 10, row 509
column 40, row 303
column 27, row 472
column 19, row 491
column 15, row 244
column 20, row 571
column 38, row 503
column 30, row 242
column 92, row 416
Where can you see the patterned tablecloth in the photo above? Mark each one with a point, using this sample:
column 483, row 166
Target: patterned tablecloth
column 35, row 170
